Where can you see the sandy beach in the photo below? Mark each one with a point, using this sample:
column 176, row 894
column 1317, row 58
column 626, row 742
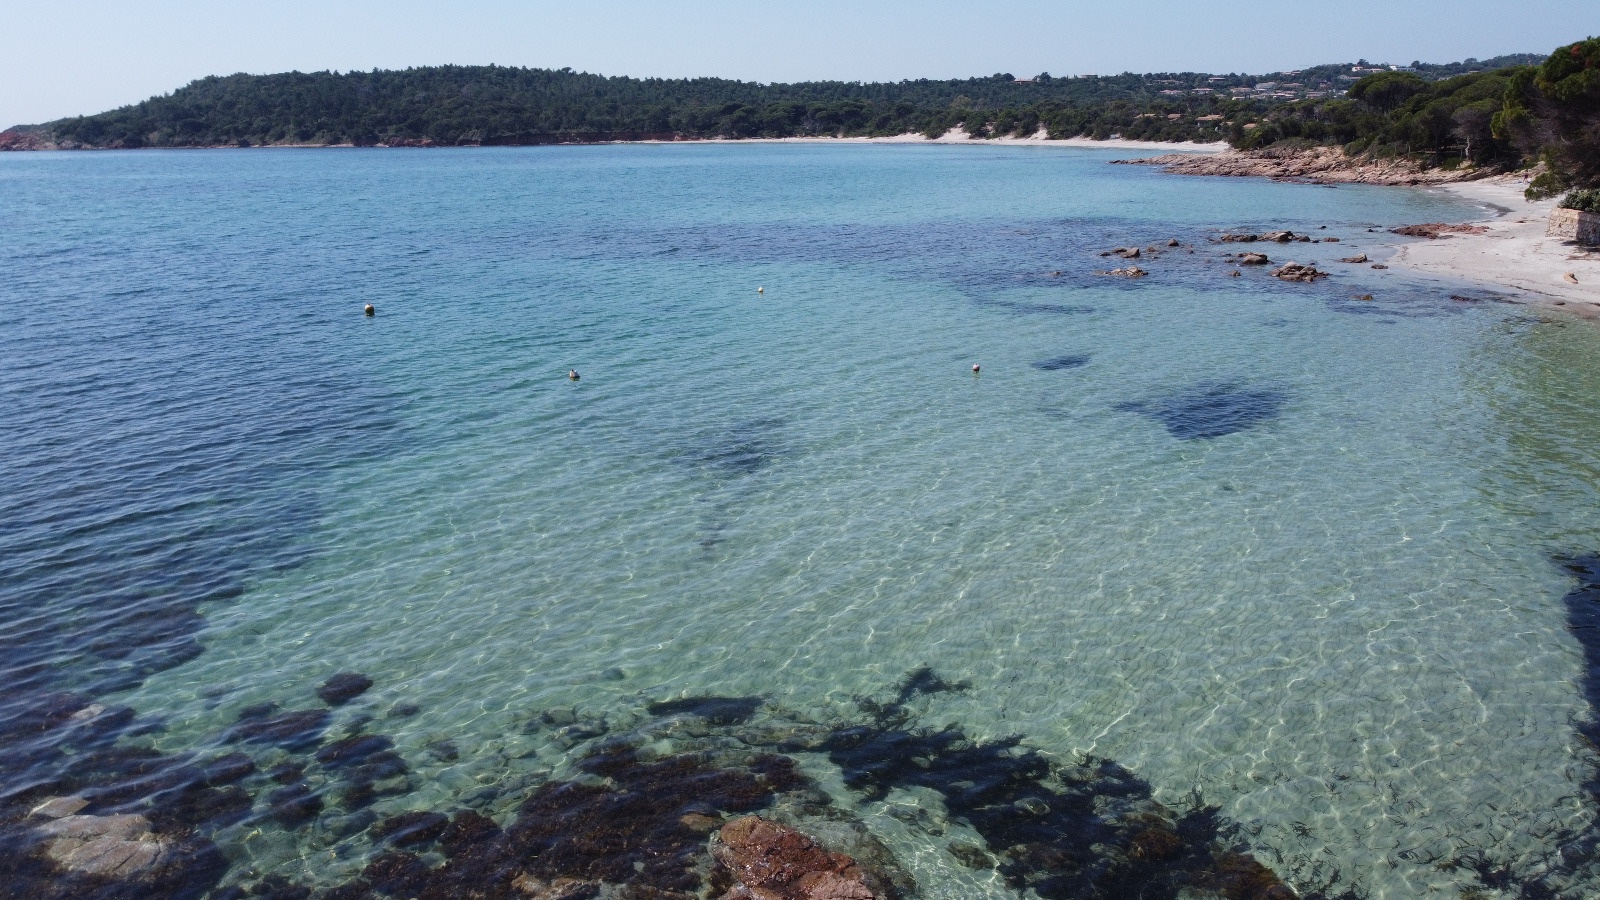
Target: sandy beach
column 960, row 136
column 1513, row 253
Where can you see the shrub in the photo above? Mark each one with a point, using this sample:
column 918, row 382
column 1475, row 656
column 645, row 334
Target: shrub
column 1585, row 201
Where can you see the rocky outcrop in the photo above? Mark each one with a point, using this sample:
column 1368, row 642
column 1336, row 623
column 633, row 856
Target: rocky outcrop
column 1253, row 259
column 1323, row 165
column 1358, row 258
column 769, row 861
column 1129, row 272
column 1433, row 230
column 1297, row 272
column 19, row 139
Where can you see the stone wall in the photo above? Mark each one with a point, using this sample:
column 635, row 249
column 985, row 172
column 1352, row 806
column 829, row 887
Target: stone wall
column 1572, row 225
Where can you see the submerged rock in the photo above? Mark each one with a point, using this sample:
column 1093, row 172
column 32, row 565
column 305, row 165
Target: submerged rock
column 715, row 710
column 59, row 807
column 768, row 861
column 106, row 846
column 343, row 687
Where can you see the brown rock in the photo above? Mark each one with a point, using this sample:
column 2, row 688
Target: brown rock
column 1434, row 230
column 1379, row 266
column 1129, row 272
column 1330, row 240
column 699, row 822
column 1297, row 272
column 1320, row 165
column 1571, row 278
column 1360, row 258
column 1253, row 259
column 1235, row 273
column 769, row 861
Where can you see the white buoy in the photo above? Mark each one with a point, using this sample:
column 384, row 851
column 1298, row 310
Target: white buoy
column 761, row 290
column 974, row 368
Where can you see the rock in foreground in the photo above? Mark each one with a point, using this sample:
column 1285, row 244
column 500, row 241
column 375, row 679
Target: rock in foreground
column 1434, row 230
column 769, row 861
column 1297, row 272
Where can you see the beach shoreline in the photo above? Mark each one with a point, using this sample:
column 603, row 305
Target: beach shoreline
column 1513, row 253
column 954, row 137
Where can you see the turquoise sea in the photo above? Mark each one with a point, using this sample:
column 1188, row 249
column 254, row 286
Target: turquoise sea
column 1312, row 559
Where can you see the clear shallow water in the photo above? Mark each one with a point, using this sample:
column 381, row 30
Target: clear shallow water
column 1286, row 548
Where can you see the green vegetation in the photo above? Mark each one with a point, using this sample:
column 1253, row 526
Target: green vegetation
column 1501, row 113
column 453, row 105
column 1583, row 201
column 1552, row 114
column 1399, row 114
column 476, row 105
column 1506, row 118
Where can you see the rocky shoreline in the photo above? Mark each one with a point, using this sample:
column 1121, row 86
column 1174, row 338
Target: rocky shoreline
column 1317, row 165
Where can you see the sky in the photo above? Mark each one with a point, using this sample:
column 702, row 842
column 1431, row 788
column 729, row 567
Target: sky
column 74, row 57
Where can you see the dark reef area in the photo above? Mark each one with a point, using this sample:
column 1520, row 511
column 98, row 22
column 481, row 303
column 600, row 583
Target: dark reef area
column 657, row 811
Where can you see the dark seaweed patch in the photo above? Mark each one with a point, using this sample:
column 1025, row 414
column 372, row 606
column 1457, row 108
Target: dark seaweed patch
column 293, row 804
column 343, row 687
column 1091, row 830
column 1057, row 363
column 1031, row 307
column 1583, row 620
column 744, row 449
column 1210, row 411
column 716, row 710
column 634, row 831
column 295, row 730
column 413, row 827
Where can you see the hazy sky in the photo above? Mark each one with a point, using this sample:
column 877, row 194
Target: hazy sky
column 71, row 57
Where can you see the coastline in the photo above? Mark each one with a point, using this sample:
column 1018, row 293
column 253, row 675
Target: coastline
column 1513, row 253
column 955, row 136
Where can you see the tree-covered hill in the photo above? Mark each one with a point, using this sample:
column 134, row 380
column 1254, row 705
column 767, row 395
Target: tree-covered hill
column 1545, row 113
column 450, row 105
column 1492, row 114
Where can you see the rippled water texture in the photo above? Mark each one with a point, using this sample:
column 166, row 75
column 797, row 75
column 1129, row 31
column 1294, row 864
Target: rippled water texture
column 1327, row 562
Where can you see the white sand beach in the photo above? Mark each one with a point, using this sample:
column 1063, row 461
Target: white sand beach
column 960, row 136
column 1514, row 253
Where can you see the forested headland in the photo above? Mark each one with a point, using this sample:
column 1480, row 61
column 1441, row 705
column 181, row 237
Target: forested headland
column 1500, row 113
